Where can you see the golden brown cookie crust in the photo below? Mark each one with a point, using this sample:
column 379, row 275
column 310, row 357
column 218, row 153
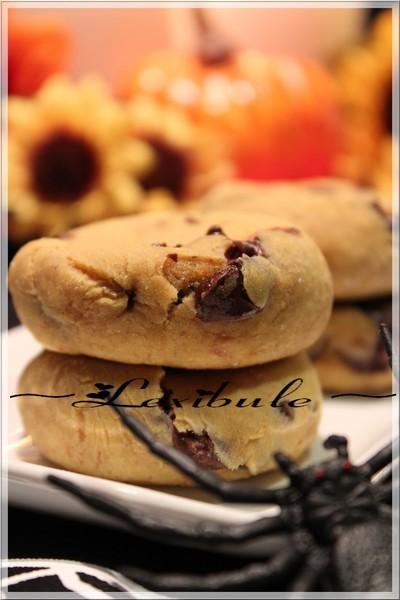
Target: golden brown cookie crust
column 351, row 225
column 93, row 440
column 148, row 289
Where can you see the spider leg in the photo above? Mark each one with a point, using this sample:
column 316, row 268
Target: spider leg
column 378, row 460
column 288, row 467
column 175, row 531
column 265, row 573
column 339, row 443
column 385, row 476
column 206, row 479
column 385, row 511
column 315, row 564
column 384, row 489
column 386, row 336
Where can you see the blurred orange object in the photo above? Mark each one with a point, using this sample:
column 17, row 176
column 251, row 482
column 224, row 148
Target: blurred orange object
column 37, row 48
column 364, row 75
column 277, row 115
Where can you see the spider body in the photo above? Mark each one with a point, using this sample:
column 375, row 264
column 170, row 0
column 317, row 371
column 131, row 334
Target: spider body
column 332, row 530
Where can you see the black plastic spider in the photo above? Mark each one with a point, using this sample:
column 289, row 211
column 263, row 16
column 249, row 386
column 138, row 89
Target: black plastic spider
column 332, row 532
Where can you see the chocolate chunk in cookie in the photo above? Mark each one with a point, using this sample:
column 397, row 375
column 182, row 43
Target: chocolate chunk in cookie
column 224, row 297
column 198, row 447
column 376, row 360
column 249, row 248
column 286, row 410
column 215, row 230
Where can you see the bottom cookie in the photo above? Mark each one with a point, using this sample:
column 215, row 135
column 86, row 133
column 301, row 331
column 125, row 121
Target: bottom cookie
column 231, row 421
column 350, row 356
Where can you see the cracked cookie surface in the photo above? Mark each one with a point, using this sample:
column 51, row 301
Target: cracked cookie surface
column 203, row 291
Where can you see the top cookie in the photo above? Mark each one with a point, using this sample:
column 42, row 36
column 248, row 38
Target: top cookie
column 351, row 225
column 218, row 290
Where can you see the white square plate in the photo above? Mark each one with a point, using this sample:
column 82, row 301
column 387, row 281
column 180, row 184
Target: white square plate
column 366, row 422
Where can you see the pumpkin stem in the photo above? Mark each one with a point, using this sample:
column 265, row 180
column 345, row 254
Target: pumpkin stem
column 212, row 49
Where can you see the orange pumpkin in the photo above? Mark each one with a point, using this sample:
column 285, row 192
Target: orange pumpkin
column 37, row 49
column 277, row 115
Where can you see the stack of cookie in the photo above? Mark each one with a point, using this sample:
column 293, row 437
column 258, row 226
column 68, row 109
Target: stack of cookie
column 197, row 321
column 352, row 227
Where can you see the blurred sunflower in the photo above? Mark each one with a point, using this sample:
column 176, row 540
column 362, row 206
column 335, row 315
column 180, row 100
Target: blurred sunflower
column 187, row 159
column 71, row 159
column 364, row 74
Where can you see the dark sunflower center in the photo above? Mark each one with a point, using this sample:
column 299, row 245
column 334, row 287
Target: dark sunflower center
column 387, row 110
column 64, row 167
column 169, row 170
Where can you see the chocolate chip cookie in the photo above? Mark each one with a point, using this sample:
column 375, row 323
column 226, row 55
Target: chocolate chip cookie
column 225, row 420
column 194, row 290
column 350, row 356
